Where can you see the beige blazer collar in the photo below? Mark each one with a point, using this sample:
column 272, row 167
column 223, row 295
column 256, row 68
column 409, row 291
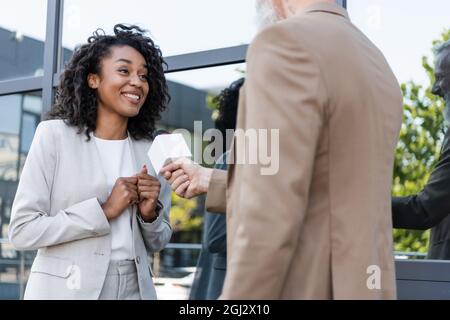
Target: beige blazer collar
column 326, row 7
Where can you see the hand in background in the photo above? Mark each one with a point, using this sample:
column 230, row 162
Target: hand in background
column 123, row 195
column 148, row 188
column 187, row 178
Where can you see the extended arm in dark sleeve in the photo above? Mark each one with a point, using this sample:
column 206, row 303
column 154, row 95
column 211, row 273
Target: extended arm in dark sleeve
column 426, row 209
column 216, row 234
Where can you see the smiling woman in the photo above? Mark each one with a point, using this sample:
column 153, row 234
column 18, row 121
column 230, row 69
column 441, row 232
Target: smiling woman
column 101, row 72
column 89, row 199
column 121, row 86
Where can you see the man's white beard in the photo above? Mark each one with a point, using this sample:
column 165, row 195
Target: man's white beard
column 266, row 14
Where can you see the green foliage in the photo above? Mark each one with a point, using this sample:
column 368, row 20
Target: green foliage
column 211, row 95
column 180, row 215
column 418, row 148
column 214, row 106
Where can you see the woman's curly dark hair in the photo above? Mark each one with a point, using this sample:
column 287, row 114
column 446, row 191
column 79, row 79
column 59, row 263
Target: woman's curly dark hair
column 76, row 102
column 228, row 101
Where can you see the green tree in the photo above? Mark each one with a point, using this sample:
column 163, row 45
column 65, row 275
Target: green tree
column 181, row 218
column 419, row 147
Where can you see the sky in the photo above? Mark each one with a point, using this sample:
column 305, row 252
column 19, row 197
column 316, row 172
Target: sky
column 402, row 29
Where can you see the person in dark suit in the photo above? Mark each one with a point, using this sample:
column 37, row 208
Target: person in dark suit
column 212, row 263
column 430, row 208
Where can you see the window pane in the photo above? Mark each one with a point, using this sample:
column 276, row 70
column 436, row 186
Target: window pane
column 191, row 105
column 177, row 26
column 19, row 116
column 22, row 35
column 9, row 136
column 404, row 30
column 190, row 90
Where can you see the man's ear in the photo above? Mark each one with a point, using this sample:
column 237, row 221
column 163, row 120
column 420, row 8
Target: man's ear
column 278, row 7
column 93, row 80
column 284, row 8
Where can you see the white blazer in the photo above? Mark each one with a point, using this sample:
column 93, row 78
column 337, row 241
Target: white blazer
column 57, row 211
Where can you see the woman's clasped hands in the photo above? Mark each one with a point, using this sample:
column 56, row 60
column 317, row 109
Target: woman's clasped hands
column 142, row 189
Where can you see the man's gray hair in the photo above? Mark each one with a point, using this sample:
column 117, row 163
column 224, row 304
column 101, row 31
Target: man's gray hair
column 444, row 47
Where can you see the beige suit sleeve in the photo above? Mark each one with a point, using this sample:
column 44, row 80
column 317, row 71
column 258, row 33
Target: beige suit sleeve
column 216, row 200
column 283, row 92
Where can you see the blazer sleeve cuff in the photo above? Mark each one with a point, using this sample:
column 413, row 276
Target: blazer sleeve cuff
column 156, row 225
column 216, row 200
column 94, row 214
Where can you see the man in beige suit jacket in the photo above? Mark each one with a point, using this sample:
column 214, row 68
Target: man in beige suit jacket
column 320, row 227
